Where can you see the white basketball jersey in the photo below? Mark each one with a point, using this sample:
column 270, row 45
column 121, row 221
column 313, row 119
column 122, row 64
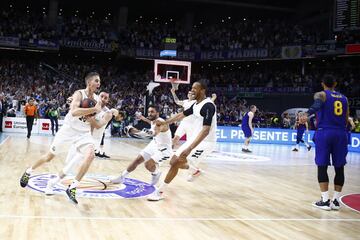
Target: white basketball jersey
column 162, row 139
column 78, row 123
column 98, row 132
column 198, row 121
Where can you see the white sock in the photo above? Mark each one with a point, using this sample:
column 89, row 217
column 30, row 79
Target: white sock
column 74, row 184
column 306, row 144
column 192, row 168
column 29, row 170
column 163, row 185
column 245, row 147
column 336, row 195
column 325, row 196
column 156, row 170
column 125, row 173
column 54, row 180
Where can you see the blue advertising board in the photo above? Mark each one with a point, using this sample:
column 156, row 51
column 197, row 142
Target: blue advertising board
column 274, row 136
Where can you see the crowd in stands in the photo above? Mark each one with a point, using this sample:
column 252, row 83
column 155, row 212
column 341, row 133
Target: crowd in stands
column 52, row 85
column 235, row 34
column 243, row 34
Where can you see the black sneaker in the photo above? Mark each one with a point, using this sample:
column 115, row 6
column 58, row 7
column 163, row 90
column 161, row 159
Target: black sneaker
column 309, row 148
column 335, row 205
column 104, row 155
column 97, row 154
column 24, row 179
column 323, row 205
column 295, row 150
column 71, row 193
column 246, row 150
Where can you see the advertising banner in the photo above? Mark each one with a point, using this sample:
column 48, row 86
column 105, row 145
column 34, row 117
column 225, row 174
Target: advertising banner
column 274, row 136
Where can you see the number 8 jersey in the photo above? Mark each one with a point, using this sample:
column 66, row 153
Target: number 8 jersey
column 332, row 114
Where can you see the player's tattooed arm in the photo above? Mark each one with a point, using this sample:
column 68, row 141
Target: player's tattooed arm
column 320, row 95
column 319, row 99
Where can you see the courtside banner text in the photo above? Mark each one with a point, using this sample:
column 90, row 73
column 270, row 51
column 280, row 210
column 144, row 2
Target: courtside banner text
column 274, row 136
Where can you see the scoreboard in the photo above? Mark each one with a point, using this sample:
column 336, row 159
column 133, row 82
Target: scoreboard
column 346, row 15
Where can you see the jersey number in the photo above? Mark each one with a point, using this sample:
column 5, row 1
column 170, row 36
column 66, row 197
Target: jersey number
column 338, row 108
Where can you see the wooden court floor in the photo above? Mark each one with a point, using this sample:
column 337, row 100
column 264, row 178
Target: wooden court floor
column 265, row 196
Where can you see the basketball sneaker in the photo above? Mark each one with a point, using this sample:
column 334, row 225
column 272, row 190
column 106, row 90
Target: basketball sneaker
column 309, row 148
column 322, row 205
column 104, row 155
column 71, row 193
column 49, row 189
column 155, row 196
column 246, row 150
column 196, row 174
column 155, row 178
column 24, row 179
column 296, row 150
column 97, row 154
column 118, row 180
column 335, row 205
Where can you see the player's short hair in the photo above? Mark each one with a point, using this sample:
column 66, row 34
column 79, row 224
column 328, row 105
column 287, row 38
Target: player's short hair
column 90, row 75
column 122, row 114
column 328, row 80
column 154, row 107
column 203, row 84
column 252, row 107
column 31, row 99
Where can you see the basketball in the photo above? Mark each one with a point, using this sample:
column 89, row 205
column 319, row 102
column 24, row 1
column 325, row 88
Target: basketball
column 87, row 103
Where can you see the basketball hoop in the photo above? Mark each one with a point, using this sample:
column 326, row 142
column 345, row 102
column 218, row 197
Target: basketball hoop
column 174, row 85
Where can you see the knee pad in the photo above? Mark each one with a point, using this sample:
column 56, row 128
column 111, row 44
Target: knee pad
column 322, row 174
column 339, row 176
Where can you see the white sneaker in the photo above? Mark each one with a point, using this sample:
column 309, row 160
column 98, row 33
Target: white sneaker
column 117, row 180
column 155, row 178
column 155, row 196
column 193, row 176
column 49, row 190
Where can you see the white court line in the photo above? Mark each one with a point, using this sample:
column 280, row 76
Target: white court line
column 4, row 140
column 183, row 219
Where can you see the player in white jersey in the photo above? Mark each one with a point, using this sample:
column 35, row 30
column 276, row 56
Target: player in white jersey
column 185, row 128
column 76, row 130
column 157, row 151
column 204, row 138
column 185, row 124
column 98, row 124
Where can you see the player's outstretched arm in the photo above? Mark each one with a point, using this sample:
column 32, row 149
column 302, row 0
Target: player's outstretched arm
column 319, row 99
column 142, row 118
column 176, row 99
column 213, row 97
column 178, row 117
column 104, row 121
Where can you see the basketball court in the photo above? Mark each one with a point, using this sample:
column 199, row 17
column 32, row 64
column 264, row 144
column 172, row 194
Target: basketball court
column 263, row 195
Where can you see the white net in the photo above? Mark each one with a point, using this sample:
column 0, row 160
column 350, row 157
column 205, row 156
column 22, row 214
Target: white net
column 175, row 86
